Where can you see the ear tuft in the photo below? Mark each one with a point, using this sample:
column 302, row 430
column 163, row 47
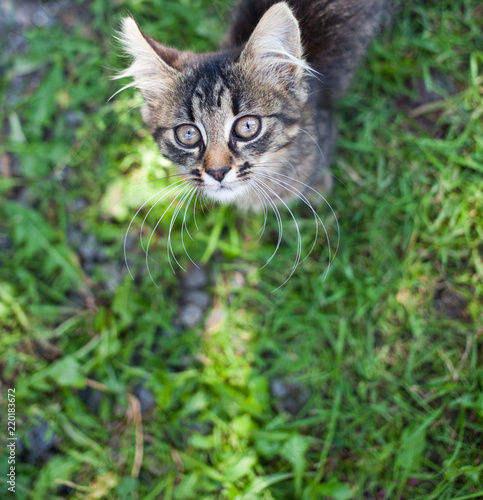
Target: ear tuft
column 150, row 72
column 274, row 47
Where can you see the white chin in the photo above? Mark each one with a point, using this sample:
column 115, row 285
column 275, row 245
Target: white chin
column 223, row 194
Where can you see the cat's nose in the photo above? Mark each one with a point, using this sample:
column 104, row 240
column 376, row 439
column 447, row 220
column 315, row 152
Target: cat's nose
column 218, row 173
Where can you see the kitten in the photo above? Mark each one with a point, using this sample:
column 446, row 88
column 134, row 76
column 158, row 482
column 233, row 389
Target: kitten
column 253, row 124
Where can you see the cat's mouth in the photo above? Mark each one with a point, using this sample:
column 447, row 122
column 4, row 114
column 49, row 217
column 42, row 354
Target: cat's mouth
column 224, row 192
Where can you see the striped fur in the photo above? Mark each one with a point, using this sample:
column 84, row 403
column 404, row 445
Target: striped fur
column 283, row 62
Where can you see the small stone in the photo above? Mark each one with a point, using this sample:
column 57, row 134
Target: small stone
column 23, row 14
column 40, row 439
column 113, row 274
column 79, row 204
column 197, row 297
column 91, row 398
column 195, row 277
column 41, row 18
column 215, row 317
column 5, row 242
column 237, row 279
column 73, row 118
column 190, row 315
column 88, row 248
column 74, row 236
column 91, row 250
column 290, row 396
column 146, row 399
column 16, row 43
column 278, row 389
column 451, row 303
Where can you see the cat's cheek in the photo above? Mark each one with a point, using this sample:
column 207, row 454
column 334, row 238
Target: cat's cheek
column 146, row 114
column 302, row 92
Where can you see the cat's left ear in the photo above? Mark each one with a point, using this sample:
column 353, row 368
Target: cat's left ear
column 153, row 67
column 274, row 48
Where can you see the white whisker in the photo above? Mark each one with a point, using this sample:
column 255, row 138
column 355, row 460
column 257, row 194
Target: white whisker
column 173, row 220
column 317, row 220
column 315, row 142
column 325, row 201
column 277, row 215
column 150, row 210
column 135, row 215
column 299, row 239
column 263, row 204
column 154, row 230
column 300, row 195
column 184, row 225
column 194, row 210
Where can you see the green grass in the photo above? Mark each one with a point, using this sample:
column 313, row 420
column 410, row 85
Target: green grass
column 382, row 359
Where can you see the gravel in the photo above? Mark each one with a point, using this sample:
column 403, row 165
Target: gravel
column 198, row 298
column 146, row 399
column 190, row 315
column 194, row 278
column 38, row 443
column 290, row 396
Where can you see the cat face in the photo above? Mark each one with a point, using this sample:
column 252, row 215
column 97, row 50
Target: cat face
column 223, row 117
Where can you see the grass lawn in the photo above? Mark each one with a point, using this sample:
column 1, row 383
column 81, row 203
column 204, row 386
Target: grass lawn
column 209, row 384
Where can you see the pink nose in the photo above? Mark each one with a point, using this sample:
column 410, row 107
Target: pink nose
column 218, row 173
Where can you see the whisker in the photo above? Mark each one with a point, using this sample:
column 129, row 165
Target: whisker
column 263, row 204
column 205, row 206
column 128, row 111
column 307, row 186
column 277, row 216
column 194, row 210
column 165, row 177
column 154, row 230
column 325, row 201
column 149, row 211
column 173, row 220
column 315, row 142
column 186, row 227
column 265, row 214
column 135, row 215
column 317, row 219
column 196, row 191
column 299, row 239
column 300, row 195
column 139, row 185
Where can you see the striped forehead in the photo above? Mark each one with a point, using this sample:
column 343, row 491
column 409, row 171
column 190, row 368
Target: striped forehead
column 210, row 98
column 211, row 107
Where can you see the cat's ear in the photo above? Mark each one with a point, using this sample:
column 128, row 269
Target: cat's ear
column 153, row 66
column 274, row 48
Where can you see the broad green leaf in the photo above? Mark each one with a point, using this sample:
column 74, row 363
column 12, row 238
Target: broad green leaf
column 413, row 443
column 67, row 372
column 333, row 489
column 294, row 451
column 239, row 469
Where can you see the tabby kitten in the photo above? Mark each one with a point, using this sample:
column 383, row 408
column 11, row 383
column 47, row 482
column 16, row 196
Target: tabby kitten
column 253, row 124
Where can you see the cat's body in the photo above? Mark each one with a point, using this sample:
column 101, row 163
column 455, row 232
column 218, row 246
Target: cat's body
column 253, row 124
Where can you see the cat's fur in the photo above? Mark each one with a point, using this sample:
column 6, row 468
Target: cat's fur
column 285, row 62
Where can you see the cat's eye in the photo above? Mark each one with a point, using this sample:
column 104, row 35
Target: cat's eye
column 247, row 127
column 188, row 135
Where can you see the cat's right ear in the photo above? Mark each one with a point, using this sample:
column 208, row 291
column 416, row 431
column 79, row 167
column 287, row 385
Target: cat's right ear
column 274, row 49
column 153, row 66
